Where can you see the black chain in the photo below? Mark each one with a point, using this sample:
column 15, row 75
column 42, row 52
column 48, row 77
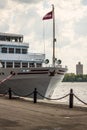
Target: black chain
column 80, row 100
column 53, row 99
column 27, row 95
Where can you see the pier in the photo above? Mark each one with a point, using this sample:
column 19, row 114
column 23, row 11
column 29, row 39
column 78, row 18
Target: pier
column 20, row 114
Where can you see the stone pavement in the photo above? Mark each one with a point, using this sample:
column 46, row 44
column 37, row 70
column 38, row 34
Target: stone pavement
column 18, row 114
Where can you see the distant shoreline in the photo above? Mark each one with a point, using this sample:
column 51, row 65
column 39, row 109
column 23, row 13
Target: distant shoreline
column 71, row 77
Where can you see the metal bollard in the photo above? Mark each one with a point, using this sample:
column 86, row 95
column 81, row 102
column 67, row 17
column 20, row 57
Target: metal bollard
column 71, row 99
column 10, row 93
column 35, row 95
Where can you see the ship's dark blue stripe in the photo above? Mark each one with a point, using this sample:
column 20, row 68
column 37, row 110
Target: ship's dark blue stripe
column 60, row 73
column 40, row 70
column 32, row 73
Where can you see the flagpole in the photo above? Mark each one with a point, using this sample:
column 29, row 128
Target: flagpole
column 53, row 14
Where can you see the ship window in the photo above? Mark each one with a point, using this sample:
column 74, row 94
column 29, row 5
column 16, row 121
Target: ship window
column 9, row 64
column 4, row 50
column 2, row 38
column 24, row 51
column 11, row 50
column 39, row 64
column 24, row 64
column 17, row 64
column 18, row 50
column 3, row 64
column 32, row 65
column 7, row 38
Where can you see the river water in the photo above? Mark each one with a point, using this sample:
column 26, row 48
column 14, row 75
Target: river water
column 79, row 89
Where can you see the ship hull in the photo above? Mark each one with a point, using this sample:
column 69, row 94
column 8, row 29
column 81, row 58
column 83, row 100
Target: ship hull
column 22, row 84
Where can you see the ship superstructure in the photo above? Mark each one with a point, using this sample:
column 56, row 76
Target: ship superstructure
column 14, row 52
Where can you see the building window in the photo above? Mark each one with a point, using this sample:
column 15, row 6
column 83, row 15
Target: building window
column 18, row 50
column 31, row 64
column 24, row 64
column 4, row 50
column 9, row 64
column 11, row 50
column 39, row 64
column 17, row 64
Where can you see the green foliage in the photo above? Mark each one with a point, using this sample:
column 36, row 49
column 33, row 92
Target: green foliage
column 71, row 77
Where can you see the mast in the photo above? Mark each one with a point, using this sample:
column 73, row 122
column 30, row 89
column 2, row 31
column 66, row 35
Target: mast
column 54, row 39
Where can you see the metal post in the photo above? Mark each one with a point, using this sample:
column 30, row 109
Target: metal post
column 35, row 95
column 10, row 93
column 53, row 16
column 71, row 99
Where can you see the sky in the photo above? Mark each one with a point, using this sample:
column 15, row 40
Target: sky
column 25, row 17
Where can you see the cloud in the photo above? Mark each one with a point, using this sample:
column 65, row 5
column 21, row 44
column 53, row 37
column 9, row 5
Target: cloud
column 27, row 1
column 4, row 26
column 84, row 2
column 81, row 27
column 3, row 4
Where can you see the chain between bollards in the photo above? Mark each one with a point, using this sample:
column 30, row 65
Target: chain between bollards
column 35, row 92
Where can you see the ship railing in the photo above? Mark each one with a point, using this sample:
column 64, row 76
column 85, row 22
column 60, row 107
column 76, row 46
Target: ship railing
column 11, row 93
column 16, row 43
column 59, row 66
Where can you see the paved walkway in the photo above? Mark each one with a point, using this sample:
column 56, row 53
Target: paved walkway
column 17, row 114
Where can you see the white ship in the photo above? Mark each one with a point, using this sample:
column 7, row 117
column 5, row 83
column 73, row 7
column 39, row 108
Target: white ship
column 23, row 71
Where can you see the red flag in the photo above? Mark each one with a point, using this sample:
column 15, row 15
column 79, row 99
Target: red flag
column 48, row 16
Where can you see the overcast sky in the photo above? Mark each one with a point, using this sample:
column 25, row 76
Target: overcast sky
column 25, row 17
